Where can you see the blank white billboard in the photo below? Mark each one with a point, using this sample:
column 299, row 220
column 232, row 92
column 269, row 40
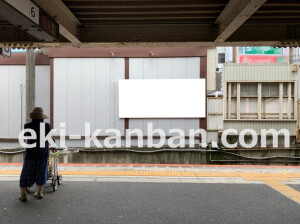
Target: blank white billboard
column 162, row 98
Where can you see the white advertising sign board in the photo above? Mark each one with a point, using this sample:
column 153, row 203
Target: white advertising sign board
column 162, row 98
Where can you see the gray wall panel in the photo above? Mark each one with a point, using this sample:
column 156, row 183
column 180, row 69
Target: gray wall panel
column 258, row 125
column 259, row 72
column 164, row 68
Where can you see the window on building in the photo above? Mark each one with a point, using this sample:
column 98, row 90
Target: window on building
column 221, row 58
column 260, row 100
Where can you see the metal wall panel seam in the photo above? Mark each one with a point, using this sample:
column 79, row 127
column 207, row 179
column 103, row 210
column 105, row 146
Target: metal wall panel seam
column 67, row 126
column 8, row 101
column 8, row 106
column 81, row 95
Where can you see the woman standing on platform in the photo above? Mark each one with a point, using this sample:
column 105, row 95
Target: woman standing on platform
column 35, row 166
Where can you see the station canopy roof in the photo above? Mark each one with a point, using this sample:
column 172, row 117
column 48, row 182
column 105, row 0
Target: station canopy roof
column 150, row 23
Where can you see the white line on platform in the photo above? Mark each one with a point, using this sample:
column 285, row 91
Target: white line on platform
column 220, row 180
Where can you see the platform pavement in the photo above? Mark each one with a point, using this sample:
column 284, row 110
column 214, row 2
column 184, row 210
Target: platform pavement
column 277, row 177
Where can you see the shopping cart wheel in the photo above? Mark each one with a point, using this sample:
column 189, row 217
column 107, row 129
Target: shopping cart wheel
column 59, row 179
column 54, row 184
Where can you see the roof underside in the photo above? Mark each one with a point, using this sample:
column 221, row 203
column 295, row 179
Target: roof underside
column 198, row 22
column 106, row 12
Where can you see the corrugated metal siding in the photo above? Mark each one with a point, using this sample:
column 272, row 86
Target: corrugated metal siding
column 42, row 88
column 258, row 125
column 12, row 78
column 85, row 90
column 259, row 72
column 214, row 113
column 164, row 68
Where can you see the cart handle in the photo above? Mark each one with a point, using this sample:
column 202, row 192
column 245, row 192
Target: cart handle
column 54, row 149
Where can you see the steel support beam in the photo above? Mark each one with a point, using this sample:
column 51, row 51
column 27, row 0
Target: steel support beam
column 192, row 35
column 68, row 23
column 234, row 15
column 147, row 33
column 14, row 34
column 247, row 35
column 287, row 34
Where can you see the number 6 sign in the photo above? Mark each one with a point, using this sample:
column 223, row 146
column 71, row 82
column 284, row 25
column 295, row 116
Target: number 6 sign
column 34, row 12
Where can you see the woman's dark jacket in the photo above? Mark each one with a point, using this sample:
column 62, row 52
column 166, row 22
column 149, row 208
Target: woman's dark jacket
column 37, row 152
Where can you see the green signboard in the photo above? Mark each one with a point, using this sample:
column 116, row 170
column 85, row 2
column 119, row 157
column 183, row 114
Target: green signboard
column 263, row 50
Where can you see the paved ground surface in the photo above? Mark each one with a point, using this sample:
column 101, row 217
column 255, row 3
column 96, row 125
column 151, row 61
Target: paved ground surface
column 157, row 194
column 106, row 202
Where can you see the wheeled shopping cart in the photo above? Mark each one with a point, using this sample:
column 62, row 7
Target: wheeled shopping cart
column 53, row 175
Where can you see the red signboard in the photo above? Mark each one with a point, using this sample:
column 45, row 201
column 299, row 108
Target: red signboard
column 48, row 24
column 263, row 59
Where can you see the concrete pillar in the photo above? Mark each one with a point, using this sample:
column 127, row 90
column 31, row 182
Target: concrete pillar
column 280, row 101
column 289, row 100
column 296, row 104
column 229, row 100
column 224, row 100
column 238, row 100
column 290, row 55
column 30, row 81
column 211, row 69
column 259, row 85
column 235, row 54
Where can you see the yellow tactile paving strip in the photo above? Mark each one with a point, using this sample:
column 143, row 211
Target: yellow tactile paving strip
column 271, row 179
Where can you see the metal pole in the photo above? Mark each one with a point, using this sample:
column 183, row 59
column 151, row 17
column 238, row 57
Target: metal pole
column 30, row 81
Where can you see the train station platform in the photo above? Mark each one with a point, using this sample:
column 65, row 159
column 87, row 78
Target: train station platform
column 279, row 178
column 156, row 193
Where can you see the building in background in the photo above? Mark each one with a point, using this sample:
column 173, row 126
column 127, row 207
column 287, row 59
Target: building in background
column 295, row 55
column 268, row 55
column 78, row 85
column 81, row 85
column 251, row 55
column 260, row 96
column 240, row 63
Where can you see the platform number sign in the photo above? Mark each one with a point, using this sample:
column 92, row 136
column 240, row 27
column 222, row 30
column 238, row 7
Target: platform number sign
column 34, row 12
column 6, row 52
